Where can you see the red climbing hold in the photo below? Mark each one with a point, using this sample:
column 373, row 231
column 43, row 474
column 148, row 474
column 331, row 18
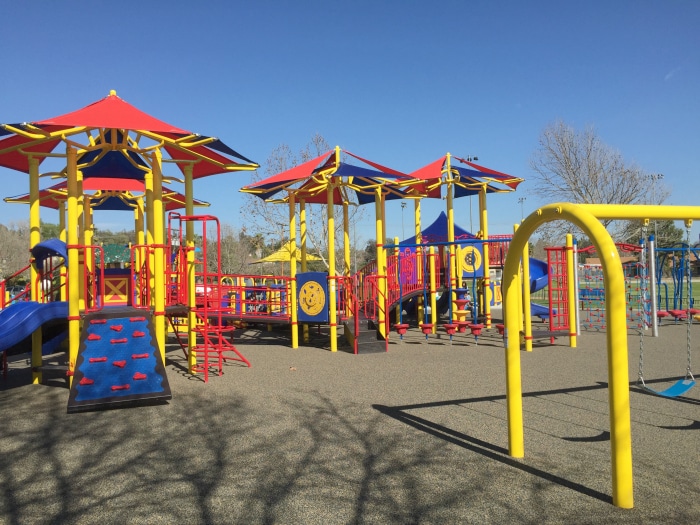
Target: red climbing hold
column 85, row 381
column 136, row 319
column 140, row 356
column 94, row 337
column 120, row 364
column 138, row 376
column 98, row 321
column 120, row 387
column 118, row 341
column 97, row 359
column 116, row 327
column 138, row 333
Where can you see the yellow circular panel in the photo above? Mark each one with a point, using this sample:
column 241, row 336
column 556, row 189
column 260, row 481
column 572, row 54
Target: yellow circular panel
column 312, row 298
column 471, row 258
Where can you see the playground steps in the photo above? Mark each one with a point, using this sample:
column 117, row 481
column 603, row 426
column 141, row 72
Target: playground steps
column 369, row 340
column 118, row 362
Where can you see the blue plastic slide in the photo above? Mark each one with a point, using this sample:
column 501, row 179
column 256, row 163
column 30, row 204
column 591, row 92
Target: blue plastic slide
column 538, row 280
column 18, row 321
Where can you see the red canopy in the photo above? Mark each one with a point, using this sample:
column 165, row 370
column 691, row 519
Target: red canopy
column 112, row 112
column 207, row 155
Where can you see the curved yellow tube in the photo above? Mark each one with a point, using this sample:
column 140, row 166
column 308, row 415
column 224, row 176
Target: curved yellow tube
column 618, row 378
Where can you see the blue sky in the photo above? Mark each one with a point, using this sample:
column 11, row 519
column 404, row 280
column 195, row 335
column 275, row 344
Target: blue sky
column 398, row 82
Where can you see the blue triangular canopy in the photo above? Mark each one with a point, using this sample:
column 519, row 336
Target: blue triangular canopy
column 437, row 232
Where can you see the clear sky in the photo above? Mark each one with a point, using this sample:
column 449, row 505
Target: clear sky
column 398, row 82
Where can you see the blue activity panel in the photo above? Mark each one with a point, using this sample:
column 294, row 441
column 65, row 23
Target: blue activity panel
column 312, row 297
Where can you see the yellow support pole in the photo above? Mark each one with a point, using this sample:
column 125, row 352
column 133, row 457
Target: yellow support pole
column 191, row 290
column 292, row 299
column 73, row 260
column 304, row 266
column 433, row 300
column 34, row 239
column 618, row 373
column 332, row 285
column 484, row 226
column 571, row 289
column 526, row 299
column 451, row 259
column 381, row 263
column 81, row 239
column 419, row 257
column 62, row 236
column 397, row 250
column 88, row 230
column 158, row 253
column 346, row 251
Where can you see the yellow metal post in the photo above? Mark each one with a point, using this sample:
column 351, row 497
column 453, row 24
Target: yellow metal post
column 381, row 262
column 74, row 276
column 62, row 236
column 34, row 239
column 397, row 251
column 419, row 255
column 292, row 299
column 433, row 300
column 190, row 277
column 304, row 267
column 332, row 285
column 526, row 299
column 484, row 226
column 158, row 253
column 571, row 289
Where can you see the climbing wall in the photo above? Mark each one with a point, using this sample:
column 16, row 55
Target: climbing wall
column 118, row 363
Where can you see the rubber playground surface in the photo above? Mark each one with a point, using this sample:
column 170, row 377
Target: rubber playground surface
column 415, row 435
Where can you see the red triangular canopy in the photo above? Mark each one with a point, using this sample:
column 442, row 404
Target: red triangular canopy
column 296, row 173
column 508, row 180
column 112, row 112
column 429, row 172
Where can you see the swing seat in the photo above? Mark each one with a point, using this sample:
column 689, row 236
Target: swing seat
column 678, row 388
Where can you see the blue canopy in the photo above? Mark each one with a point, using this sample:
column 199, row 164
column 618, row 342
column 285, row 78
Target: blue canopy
column 437, row 232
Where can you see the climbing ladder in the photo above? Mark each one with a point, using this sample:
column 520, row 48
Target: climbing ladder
column 558, row 289
column 214, row 327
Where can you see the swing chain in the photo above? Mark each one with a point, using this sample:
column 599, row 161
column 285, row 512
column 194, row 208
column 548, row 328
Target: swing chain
column 643, row 285
column 689, row 286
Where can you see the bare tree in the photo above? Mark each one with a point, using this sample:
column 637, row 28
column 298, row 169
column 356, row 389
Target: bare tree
column 14, row 248
column 576, row 166
column 272, row 220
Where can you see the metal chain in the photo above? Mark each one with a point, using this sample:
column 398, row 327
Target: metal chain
column 689, row 286
column 642, row 286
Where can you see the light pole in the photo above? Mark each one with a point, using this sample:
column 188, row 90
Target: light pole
column 471, row 226
column 403, row 232
column 521, row 201
column 654, row 177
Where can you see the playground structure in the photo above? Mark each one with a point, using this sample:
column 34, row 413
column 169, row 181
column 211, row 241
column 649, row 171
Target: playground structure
column 121, row 144
column 119, row 165
column 169, row 281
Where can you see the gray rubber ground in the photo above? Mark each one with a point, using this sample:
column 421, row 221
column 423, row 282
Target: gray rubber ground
column 415, row 435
